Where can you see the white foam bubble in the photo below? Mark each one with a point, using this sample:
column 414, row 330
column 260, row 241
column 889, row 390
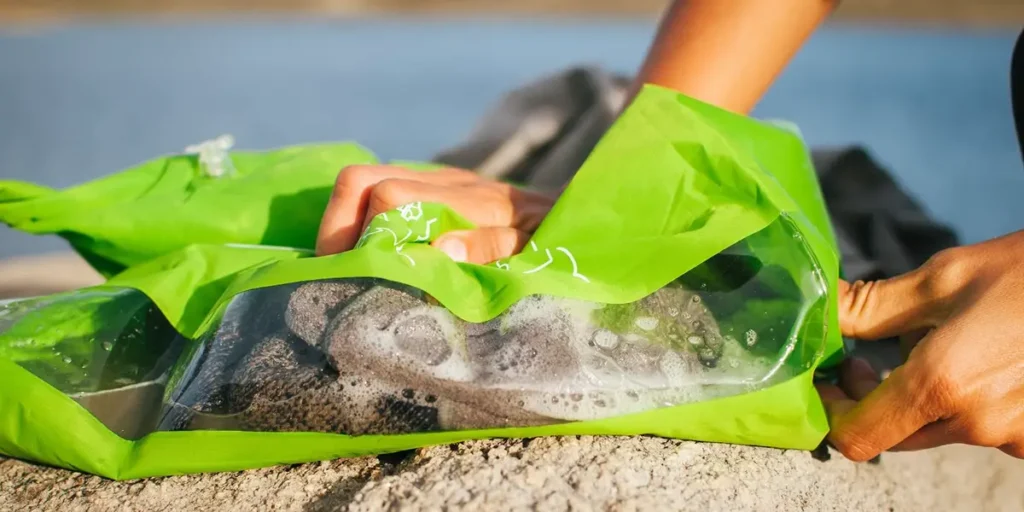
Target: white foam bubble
column 605, row 339
column 751, row 337
column 384, row 341
column 647, row 323
column 677, row 372
column 738, row 366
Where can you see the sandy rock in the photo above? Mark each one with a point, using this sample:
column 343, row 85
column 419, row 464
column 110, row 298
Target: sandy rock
column 560, row 473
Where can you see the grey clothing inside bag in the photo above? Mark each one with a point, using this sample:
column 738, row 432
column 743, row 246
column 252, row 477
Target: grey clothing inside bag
column 540, row 133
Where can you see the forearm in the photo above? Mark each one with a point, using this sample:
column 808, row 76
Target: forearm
column 728, row 52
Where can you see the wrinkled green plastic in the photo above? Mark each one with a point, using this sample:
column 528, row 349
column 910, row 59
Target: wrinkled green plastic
column 673, row 183
column 166, row 204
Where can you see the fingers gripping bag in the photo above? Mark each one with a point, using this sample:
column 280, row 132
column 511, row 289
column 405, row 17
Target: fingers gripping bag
column 682, row 286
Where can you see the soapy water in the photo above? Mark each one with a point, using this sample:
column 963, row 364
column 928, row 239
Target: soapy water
column 365, row 356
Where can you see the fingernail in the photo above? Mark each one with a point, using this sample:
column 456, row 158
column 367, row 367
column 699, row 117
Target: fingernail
column 455, row 249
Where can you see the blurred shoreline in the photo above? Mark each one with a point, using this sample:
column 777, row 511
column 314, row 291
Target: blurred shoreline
column 970, row 13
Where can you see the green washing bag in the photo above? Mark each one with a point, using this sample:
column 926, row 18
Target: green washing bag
column 682, row 286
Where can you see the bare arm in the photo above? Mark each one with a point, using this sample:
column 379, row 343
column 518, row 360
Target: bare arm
column 728, row 52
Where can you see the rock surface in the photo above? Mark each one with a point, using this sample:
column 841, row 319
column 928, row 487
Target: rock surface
column 563, row 473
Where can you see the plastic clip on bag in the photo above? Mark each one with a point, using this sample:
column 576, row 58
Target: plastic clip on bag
column 700, row 312
column 214, row 157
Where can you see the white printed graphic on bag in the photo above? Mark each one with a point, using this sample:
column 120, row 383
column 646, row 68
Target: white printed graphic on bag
column 411, row 213
column 550, row 259
column 422, row 228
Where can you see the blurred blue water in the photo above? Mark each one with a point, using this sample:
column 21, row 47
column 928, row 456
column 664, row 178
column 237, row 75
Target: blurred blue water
column 81, row 101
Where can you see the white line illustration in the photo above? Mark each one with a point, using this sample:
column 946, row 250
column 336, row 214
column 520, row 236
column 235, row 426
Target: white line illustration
column 411, row 211
column 426, row 236
column 398, row 249
column 406, row 237
column 575, row 269
column 546, row 263
column 368, row 234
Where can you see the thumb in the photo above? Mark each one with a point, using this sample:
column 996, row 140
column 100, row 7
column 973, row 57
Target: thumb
column 482, row 245
column 871, row 310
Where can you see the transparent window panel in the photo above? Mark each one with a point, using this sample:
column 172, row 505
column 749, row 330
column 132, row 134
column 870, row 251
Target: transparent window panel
column 111, row 350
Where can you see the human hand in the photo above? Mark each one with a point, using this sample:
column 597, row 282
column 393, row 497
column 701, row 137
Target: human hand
column 960, row 318
column 505, row 216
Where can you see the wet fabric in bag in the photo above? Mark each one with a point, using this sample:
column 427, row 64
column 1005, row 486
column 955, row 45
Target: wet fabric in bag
column 699, row 312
